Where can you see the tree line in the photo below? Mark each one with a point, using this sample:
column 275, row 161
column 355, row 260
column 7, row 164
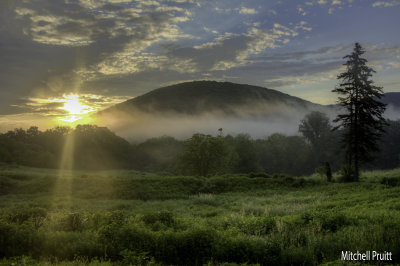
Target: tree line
column 97, row 148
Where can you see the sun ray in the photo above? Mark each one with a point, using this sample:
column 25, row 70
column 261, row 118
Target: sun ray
column 62, row 193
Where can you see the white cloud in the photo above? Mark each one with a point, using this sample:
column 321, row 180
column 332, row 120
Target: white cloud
column 210, row 30
column 247, row 11
column 386, row 3
column 257, row 41
column 56, row 30
column 393, row 64
column 303, row 26
column 301, row 11
column 119, row 1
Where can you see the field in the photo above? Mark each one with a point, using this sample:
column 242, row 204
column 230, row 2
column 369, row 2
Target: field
column 128, row 217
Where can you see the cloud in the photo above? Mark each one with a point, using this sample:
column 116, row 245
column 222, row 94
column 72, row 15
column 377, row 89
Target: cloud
column 247, row 11
column 336, row 2
column 332, row 6
column 90, row 38
column 301, row 11
column 230, row 50
column 386, row 3
column 303, row 26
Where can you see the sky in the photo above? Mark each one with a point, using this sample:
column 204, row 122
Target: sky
column 61, row 60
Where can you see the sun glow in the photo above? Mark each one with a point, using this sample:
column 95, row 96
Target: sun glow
column 70, row 109
column 75, row 107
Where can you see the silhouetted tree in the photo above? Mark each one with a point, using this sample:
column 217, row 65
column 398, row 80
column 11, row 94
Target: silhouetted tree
column 284, row 154
column 245, row 154
column 315, row 127
column 362, row 121
column 99, row 148
column 156, row 154
column 317, row 130
column 203, row 155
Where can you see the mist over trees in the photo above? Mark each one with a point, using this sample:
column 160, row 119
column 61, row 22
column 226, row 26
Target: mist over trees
column 97, row 148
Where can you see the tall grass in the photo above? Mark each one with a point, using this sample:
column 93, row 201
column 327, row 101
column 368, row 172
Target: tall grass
column 125, row 217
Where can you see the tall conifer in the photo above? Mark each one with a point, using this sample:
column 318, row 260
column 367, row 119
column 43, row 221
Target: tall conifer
column 362, row 119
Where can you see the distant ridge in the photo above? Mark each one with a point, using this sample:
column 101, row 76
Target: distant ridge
column 198, row 97
column 392, row 98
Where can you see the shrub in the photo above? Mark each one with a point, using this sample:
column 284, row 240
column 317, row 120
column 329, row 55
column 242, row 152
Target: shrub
column 19, row 215
column 116, row 238
column 246, row 250
column 20, row 261
column 68, row 245
column 16, row 240
column 136, row 258
column 347, row 173
column 327, row 220
column 257, row 226
column 391, row 181
column 163, row 217
column 73, row 222
column 191, row 247
column 259, row 174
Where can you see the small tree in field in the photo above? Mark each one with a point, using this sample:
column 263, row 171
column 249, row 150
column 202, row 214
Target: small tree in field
column 315, row 127
column 203, row 155
column 362, row 121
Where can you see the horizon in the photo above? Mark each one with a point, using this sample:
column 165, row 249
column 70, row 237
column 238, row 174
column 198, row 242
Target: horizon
column 64, row 60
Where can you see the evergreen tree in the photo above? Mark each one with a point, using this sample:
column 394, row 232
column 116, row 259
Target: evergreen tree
column 362, row 122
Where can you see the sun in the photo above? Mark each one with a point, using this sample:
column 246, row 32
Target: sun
column 74, row 107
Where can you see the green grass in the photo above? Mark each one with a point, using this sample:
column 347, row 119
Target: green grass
column 128, row 217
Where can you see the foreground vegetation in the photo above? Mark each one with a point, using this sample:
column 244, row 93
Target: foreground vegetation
column 129, row 217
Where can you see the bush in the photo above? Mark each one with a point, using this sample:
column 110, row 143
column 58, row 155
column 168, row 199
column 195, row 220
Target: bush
column 327, row 220
column 136, row 258
column 347, row 173
column 165, row 218
column 19, row 215
column 16, row 240
column 391, row 181
column 20, row 261
column 191, row 247
column 73, row 222
column 257, row 226
column 246, row 250
column 259, row 174
column 69, row 245
column 116, row 238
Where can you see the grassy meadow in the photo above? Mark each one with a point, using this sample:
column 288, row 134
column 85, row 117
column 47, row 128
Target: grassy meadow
column 127, row 217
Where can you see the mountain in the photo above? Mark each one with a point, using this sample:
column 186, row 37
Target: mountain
column 197, row 97
column 392, row 98
column 205, row 106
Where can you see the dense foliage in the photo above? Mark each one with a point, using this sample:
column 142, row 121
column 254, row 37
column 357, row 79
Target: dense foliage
column 126, row 217
column 93, row 147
